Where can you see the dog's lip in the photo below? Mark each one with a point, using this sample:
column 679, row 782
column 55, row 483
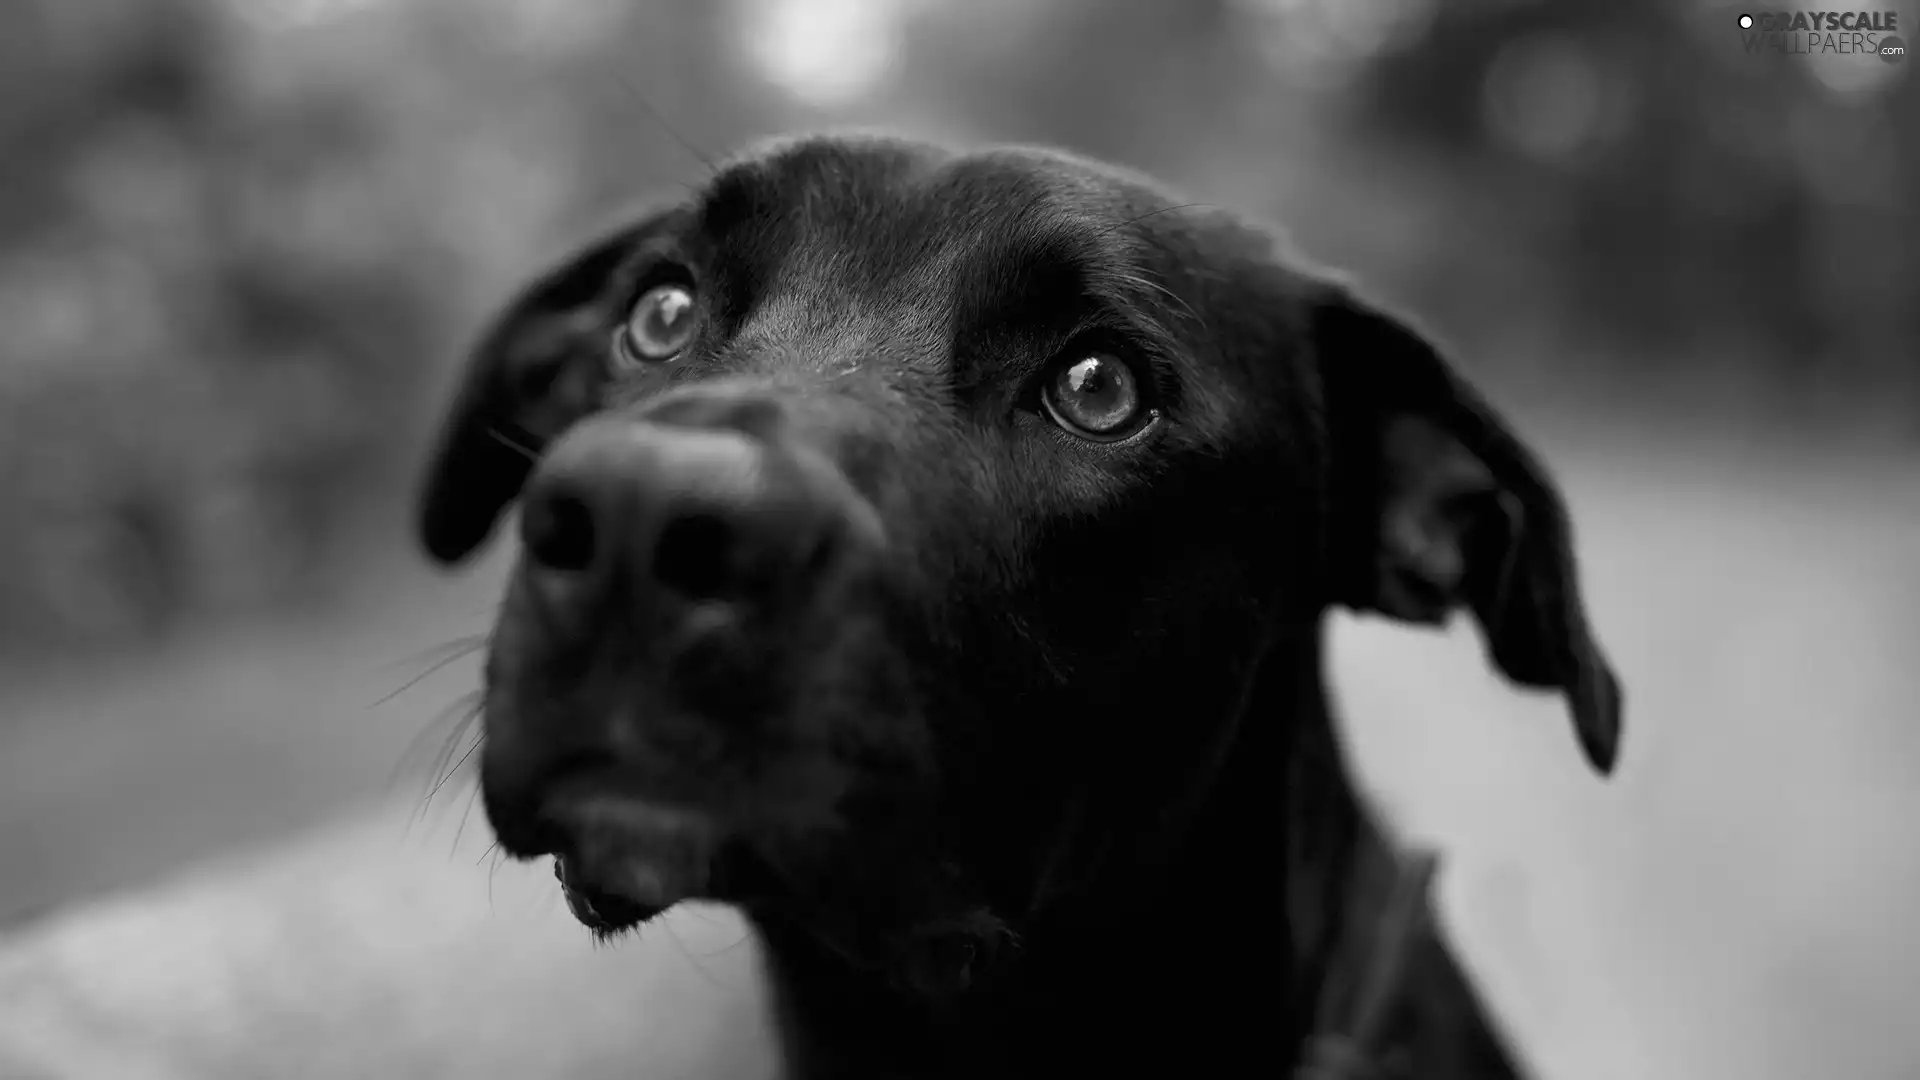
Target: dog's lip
column 639, row 898
column 622, row 859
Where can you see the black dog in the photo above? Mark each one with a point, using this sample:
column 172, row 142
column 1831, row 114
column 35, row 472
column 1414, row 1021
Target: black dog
column 927, row 552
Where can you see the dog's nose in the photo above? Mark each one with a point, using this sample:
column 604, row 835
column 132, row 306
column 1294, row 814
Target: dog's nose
column 623, row 507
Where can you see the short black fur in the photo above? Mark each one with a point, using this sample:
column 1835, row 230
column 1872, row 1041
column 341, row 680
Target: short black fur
column 1039, row 777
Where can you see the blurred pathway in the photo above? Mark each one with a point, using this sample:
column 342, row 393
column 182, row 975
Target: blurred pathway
column 112, row 775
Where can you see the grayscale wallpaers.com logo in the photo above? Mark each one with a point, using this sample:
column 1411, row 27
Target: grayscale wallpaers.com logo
column 1864, row 33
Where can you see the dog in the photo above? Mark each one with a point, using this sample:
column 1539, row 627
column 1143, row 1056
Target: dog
column 927, row 551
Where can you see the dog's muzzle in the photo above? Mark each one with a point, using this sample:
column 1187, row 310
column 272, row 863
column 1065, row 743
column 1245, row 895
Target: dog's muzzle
column 668, row 556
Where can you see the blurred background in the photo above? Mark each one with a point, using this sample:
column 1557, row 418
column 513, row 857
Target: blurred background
column 243, row 243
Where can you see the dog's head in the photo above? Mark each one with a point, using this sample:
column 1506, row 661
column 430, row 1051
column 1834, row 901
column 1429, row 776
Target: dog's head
column 878, row 502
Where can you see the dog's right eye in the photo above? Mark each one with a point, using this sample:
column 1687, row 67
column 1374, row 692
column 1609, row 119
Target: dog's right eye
column 1096, row 396
column 661, row 324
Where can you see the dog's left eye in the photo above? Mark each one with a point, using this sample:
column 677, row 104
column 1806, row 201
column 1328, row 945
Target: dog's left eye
column 1095, row 395
column 661, row 324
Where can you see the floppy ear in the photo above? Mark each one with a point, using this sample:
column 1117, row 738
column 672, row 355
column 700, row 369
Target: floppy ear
column 1439, row 506
column 539, row 367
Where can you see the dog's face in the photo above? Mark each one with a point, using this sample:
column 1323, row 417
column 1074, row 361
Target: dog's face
column 879, row 502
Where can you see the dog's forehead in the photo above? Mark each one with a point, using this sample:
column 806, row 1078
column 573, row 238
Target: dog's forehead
column 890, row 205
column 832, row 175
column 866, row 238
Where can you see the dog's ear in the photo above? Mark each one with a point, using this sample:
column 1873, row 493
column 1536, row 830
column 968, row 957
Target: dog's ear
column 1439, row 506
column 539, row 366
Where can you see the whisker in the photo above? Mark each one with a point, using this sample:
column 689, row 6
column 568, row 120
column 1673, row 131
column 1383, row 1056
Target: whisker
column 454, row 651
column 435, row 652
column 743, row 939
column 493, row 851
column 1163, row 210
column 461, row 713
column 696, row 961
column 455, row 712
column 1147, row 284
column 511, row 443
column 453, row 771
column 472, row 798
column 660, row 119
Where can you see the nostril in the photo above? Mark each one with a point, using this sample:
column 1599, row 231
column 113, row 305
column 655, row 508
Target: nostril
column 693, row 556
column 558, row 532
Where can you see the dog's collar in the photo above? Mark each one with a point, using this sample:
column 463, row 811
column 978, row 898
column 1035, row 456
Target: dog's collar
column 1352, row 1046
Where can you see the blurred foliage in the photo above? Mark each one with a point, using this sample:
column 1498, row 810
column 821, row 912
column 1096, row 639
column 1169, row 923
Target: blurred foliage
column 242, row 242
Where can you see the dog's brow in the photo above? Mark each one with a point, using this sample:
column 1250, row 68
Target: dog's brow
column 1035, row 276
column 728, row 200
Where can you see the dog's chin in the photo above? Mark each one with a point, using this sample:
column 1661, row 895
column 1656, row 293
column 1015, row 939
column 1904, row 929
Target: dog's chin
column 627, row 860
column 640, row 897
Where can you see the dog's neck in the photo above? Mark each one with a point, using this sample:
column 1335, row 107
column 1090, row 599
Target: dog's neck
column 1182, row 938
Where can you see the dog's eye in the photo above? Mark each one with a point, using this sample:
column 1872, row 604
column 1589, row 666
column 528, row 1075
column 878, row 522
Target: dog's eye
column 659, row 326
column 1094, row 395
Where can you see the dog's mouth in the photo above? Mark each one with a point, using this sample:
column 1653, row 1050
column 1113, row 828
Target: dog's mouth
column 601, row 910
column 622, row 860
column 662, row 798
column 862, row 873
